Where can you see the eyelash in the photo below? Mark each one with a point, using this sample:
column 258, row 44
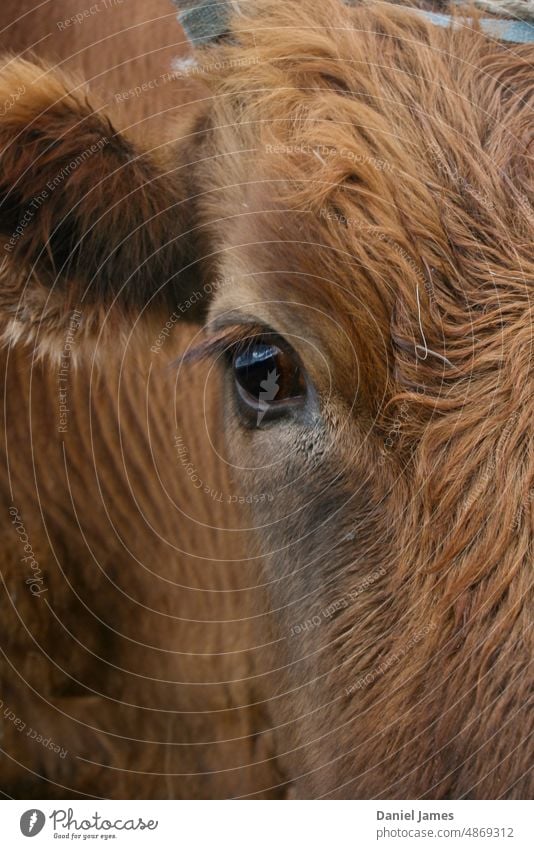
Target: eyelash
column 228, row 342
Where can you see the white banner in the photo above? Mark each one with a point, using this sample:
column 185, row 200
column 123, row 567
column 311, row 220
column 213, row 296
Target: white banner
column 265, row 825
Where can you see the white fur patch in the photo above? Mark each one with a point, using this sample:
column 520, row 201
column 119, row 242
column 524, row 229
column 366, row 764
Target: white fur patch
column 184, row 64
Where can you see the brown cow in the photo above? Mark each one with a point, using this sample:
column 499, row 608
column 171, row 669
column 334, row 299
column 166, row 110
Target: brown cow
column 358, row 192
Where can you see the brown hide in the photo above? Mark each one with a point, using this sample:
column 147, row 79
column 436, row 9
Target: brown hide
column 138, row 659
column 362, row 185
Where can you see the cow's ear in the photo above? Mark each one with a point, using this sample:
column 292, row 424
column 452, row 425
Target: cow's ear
column 88, row 221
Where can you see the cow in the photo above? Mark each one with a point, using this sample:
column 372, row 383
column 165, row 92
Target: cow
column 345, row 217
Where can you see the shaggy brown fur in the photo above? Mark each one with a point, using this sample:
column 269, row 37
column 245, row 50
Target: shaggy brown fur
column 365, row 182
column 137, row 659
column 396, row 226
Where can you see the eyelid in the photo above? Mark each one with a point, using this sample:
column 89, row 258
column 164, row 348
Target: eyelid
column 220, row 340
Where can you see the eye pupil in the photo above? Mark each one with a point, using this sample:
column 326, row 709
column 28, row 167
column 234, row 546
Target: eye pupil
column 256, row 364
column 268, row 379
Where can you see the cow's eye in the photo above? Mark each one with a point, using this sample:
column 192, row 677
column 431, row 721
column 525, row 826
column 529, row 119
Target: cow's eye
column 268, row 379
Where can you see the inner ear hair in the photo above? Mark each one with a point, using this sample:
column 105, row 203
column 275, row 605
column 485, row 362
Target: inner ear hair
column 87, row 218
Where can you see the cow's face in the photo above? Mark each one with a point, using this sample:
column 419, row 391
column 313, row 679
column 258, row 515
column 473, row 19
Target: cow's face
column 360, row 205
column 373, row 246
